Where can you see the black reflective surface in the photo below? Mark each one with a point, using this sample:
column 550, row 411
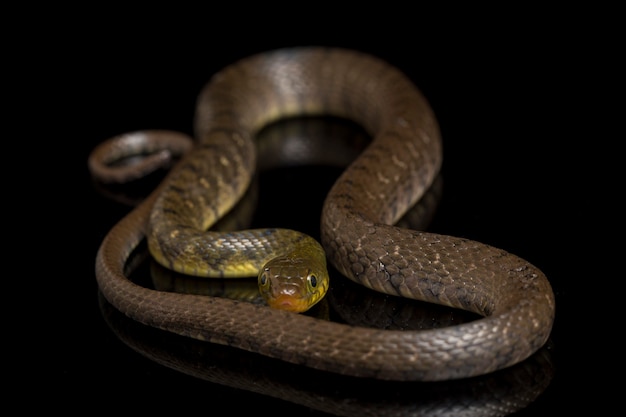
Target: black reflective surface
column 511, row 179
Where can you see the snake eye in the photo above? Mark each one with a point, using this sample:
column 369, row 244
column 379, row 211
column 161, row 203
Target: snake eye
column 263, row 278
column 312, row 280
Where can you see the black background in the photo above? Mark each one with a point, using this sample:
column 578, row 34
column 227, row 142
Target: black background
column 512, row 170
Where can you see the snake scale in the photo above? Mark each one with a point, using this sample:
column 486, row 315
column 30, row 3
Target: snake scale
column 513, row 297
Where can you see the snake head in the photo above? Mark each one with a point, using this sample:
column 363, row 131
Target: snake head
column 293, row 283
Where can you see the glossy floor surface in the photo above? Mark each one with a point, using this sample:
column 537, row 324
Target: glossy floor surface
column 510, row 179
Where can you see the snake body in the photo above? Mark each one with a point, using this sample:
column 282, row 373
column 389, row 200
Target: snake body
column 392, row 173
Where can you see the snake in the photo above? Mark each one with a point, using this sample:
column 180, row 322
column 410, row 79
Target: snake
column 513, row 298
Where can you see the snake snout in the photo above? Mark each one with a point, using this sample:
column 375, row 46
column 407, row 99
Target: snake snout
column 282, row 291
column 288, row 302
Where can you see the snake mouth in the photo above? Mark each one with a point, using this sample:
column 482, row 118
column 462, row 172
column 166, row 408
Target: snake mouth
column 289, row 303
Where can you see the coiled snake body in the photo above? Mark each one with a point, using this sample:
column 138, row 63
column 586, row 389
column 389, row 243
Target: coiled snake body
column 389, row 176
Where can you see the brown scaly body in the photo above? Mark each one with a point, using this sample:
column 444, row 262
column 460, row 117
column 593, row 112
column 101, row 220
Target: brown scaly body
column 514, row 297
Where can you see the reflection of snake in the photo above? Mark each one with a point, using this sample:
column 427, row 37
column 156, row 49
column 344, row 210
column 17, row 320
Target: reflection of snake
column 497, row 394
column 514, row 297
